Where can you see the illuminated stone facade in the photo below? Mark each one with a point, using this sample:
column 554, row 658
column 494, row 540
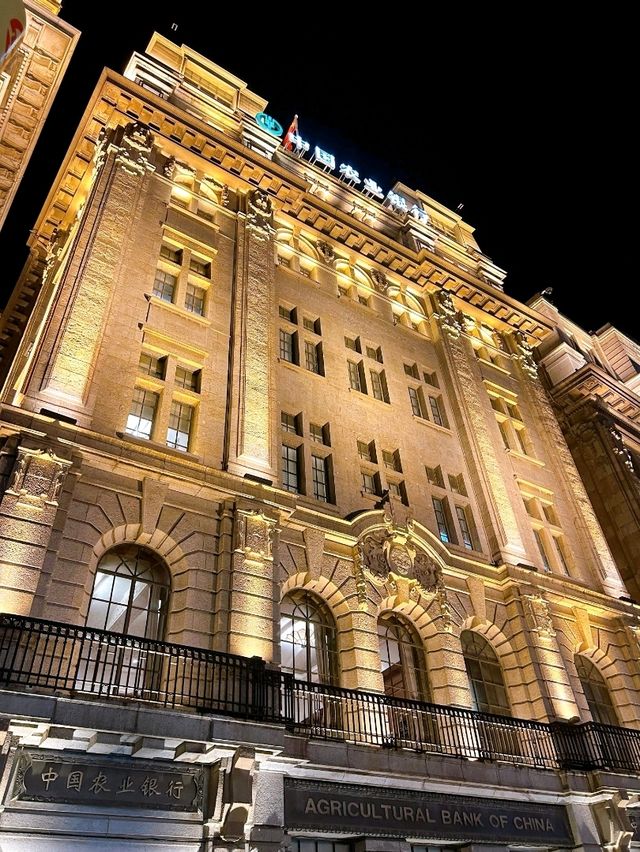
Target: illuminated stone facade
column 28, row 84
column 310, row 423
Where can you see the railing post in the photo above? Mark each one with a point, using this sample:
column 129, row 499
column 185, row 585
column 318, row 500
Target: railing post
column 286, row 708
column 572, row 746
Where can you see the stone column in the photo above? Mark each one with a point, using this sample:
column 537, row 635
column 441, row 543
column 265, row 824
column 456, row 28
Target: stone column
column 251, row 615
column 479, row 446
column 249, row 440
column 27, row 514
column 560, row 458
column 122, row 166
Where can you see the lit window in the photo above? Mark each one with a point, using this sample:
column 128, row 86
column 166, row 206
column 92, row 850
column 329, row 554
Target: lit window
column 164, row 285
column 465, row 529
column 441, row 519
column 379, row 386
column 290, row 480
column 320, row 476
column 188, row 379
column 436, row 413
column 142, row 413
column 289, row 422
column 194, row 299
column 312, row 355
column 287, row 346
column 180, row 419
column 151, row 365
column 416, row 402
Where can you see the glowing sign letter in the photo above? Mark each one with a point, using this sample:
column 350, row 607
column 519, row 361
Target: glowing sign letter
column 349, row 174
column 371, row 188
column 397, row 202
column 326, row 160
column 419, row 214
column 300, row 146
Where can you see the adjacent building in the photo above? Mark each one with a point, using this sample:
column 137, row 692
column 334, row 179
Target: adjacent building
column 293, row 553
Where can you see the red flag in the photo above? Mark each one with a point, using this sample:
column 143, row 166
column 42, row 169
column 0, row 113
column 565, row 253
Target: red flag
column 288, row 139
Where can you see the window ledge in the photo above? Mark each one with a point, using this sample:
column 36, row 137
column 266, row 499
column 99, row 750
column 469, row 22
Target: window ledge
column 530, row 459
column 183, row 312
column 299, row 368
column 194, row 216
column 426, row 422
column 495, row 366
column 156, row 446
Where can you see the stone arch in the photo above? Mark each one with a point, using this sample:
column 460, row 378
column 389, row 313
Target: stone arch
column 160, row 544
column 307, row 247
column 616, row 679
column 519, row 699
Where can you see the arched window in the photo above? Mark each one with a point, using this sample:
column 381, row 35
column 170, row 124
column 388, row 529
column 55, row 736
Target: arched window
column 488, row 691
column 130, row 593
column 596, row 692
column 402, row 660
column 308, row 639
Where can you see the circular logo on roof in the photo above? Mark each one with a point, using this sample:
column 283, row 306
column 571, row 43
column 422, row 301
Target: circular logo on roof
column 269, row 124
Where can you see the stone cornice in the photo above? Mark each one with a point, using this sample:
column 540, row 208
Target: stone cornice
column 593, row 383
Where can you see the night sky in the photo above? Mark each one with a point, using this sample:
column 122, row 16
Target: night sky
column 514, row 118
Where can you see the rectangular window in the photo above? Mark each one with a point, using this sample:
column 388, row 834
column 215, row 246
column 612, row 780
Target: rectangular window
column 542, row 548
column 436, row 413
column 290, row 423
column 313, row 357
column 370, row 483
column 352, row 343
column 320, row 434
column 194, row 299
column 398, row 490
column 523, row 441
column 375, row 354
column 288, row 314
column 456, row 483
column 188, row 379
column 434, row 475
column 151, row 365
column 441, row 519
column 367, row 451
column 319, row 472
column 168, row 253
column 200, row 267
column 412, row 370
column 465, row 529
column 287, row 346
column 561, row 547
column 391, row 459
column 379, row 386
column 290, row 480
column 356, row 379
column 179, row 431
column 164, row 285
column 312, row 325
column 431, row 379
column 142, row 413
column 416, row 402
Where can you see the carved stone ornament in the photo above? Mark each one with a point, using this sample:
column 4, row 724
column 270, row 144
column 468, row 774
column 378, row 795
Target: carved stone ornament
column 260, row 214
column 538, row 615
column 385, row 552
column 135, row 149
column 326, row 252
column 379, row 281
column 169, row 167
column 619, row 448
column 451, row 321
column 445, row 608
column 224, row 196
column 38, row 477
column 524, row 354
column 255, row 535
column 634, row 628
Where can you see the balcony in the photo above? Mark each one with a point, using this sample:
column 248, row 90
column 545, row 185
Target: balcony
column 54, row 658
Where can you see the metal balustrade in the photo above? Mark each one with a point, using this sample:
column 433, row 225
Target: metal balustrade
column 53, row 657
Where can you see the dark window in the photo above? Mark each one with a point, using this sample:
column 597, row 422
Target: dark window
column 379, row 386
column 356, row 377
column 402, row 660
column 188, row 379
column 441, row 519
column 412, row 370
column 313, row 357
column 596, row 692
column 320, row 475
column 288, row 347
column 436, row 412
column 290, row 423
column 290, row 472
column 201, row 267
column 152, row 365
column 488, row 691
column 416, row 402
column 174, row 255
column 194, row 300
column 467, row 540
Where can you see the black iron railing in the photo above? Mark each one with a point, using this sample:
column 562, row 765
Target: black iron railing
column 51, row 656
column 48, row 656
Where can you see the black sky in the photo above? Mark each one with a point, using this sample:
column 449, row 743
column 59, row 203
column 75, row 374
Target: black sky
column 525, row 118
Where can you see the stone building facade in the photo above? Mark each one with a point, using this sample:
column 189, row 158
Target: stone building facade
column 293, row 553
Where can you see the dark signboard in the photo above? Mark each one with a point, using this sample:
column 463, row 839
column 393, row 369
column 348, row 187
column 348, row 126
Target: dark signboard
column 127, row 783
column 404, row 813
